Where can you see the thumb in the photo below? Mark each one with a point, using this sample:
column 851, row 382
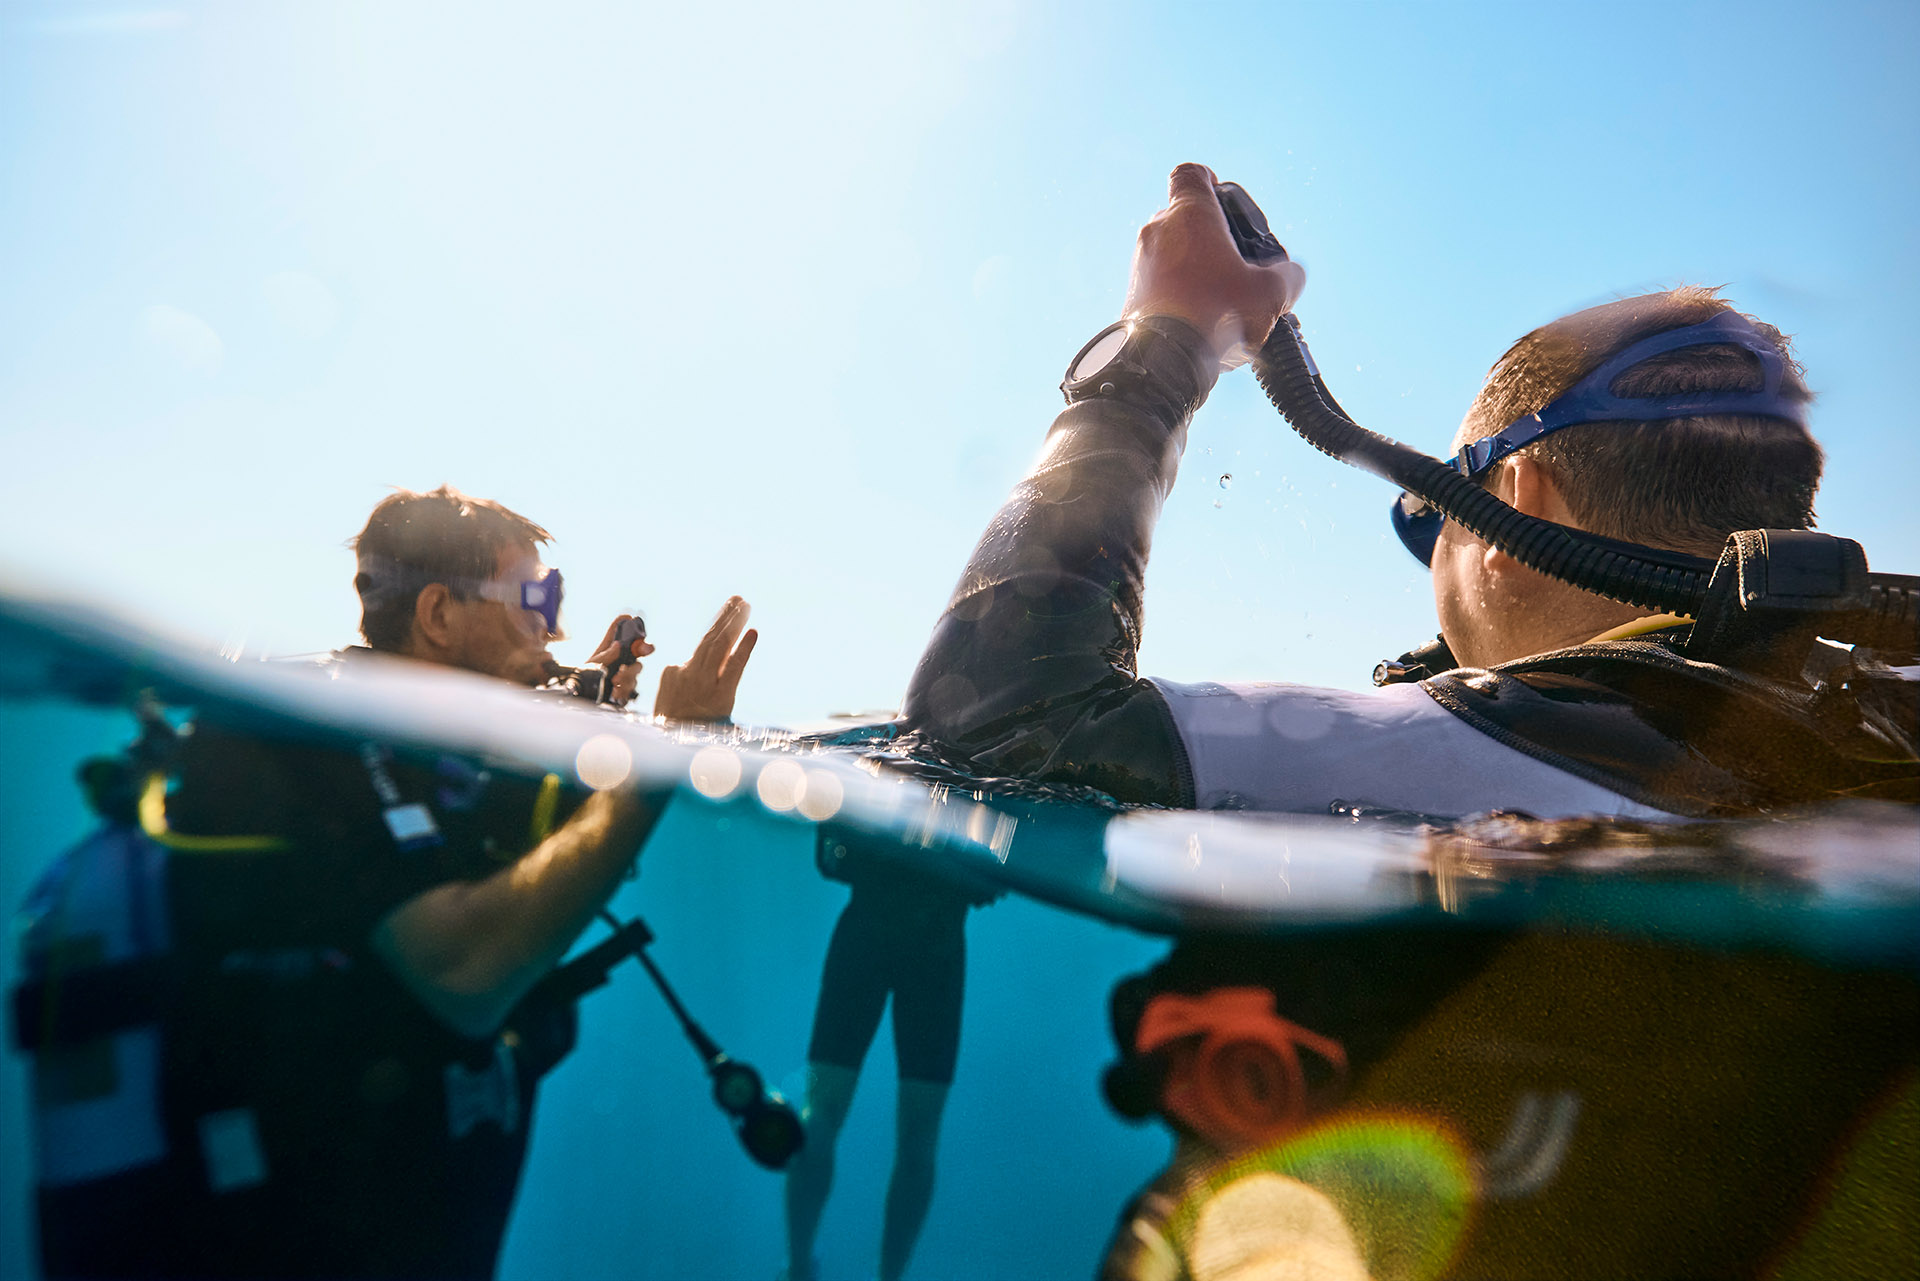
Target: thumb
column 1293, row 281
column 1190, row 182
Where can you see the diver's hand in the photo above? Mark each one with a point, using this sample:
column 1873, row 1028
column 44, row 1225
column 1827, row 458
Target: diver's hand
column 702, row 689
column 628, row 677
column 1186, row 266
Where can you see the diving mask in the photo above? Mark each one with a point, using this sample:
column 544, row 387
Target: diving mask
column 541, row 595
column 1417, row 522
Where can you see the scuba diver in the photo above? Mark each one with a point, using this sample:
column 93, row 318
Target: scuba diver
column 901, row 937
column 1620, row 1108
column 1666, row 419
column 288, row 1018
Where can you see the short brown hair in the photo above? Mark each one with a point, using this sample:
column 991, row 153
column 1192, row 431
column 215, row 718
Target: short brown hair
column 1683, row 483
column 411, row 540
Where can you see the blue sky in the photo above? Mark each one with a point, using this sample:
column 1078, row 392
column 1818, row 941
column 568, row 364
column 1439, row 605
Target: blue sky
column 774, row 300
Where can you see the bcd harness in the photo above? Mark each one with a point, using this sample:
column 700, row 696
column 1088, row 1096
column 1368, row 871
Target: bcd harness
column 158, row 1040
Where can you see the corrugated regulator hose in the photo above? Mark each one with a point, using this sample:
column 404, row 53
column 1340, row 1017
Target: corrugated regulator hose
column 1644, row 577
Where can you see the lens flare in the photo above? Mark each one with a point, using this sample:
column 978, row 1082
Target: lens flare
column 823, row 797
column 603, row 762
column 1402, row 1183
column 715, row 772
column 781, row 786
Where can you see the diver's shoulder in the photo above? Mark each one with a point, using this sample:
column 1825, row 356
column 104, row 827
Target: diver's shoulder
column 1684, row 735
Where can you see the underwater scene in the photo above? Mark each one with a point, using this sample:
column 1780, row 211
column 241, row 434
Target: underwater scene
column 634, row 1171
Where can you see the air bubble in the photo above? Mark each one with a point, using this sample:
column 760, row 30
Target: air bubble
column 1226, row 480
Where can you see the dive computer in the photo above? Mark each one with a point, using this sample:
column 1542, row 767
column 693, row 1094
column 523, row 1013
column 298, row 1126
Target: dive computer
column 1156, row 358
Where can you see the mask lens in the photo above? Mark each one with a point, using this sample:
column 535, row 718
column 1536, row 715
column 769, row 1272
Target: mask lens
column 543, row 597
column 1418, row 525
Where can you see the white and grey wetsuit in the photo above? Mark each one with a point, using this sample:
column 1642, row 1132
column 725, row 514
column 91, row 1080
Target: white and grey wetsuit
column 1301, row 748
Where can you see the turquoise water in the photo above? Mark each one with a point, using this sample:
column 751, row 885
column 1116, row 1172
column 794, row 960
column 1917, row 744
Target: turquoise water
column 632, row 1170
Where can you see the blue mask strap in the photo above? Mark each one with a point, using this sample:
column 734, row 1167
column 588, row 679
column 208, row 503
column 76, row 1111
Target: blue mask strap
column 1590, row 401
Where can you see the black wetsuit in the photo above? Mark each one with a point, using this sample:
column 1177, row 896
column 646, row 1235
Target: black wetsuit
column 319, row 1120
column 902, row 934
column 1031, row 670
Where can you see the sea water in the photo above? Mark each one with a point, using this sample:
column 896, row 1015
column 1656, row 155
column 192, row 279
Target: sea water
column 633, row 1172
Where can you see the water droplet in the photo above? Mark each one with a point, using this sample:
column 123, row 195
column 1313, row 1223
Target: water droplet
column 1226, row 480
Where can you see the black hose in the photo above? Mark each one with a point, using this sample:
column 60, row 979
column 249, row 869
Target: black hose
column 1644, row 577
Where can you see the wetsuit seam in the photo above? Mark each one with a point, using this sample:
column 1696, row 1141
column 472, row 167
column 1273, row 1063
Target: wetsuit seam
column 1186, row 790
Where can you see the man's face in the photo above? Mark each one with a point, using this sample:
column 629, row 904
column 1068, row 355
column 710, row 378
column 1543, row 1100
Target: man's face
column 498, row 637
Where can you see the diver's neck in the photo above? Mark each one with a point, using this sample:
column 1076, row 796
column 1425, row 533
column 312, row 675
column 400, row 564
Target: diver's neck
column 1562, row 620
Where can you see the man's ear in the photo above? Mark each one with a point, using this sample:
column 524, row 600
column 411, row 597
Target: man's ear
column 1537, row 493
column 1527, row 485
column 434, row 627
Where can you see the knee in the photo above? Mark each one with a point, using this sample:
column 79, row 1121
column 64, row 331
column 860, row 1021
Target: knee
column 829, row 1096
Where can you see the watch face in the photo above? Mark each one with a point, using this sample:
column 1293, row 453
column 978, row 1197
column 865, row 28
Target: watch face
column 1097, row 354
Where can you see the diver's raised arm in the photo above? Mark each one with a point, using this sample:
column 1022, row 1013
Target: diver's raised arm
column 1031, row 668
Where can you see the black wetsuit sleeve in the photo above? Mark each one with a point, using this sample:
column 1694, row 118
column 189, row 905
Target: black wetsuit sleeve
column 1031, row 671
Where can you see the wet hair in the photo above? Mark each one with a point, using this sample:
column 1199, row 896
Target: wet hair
column 440, row 536
column 1684, row 483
